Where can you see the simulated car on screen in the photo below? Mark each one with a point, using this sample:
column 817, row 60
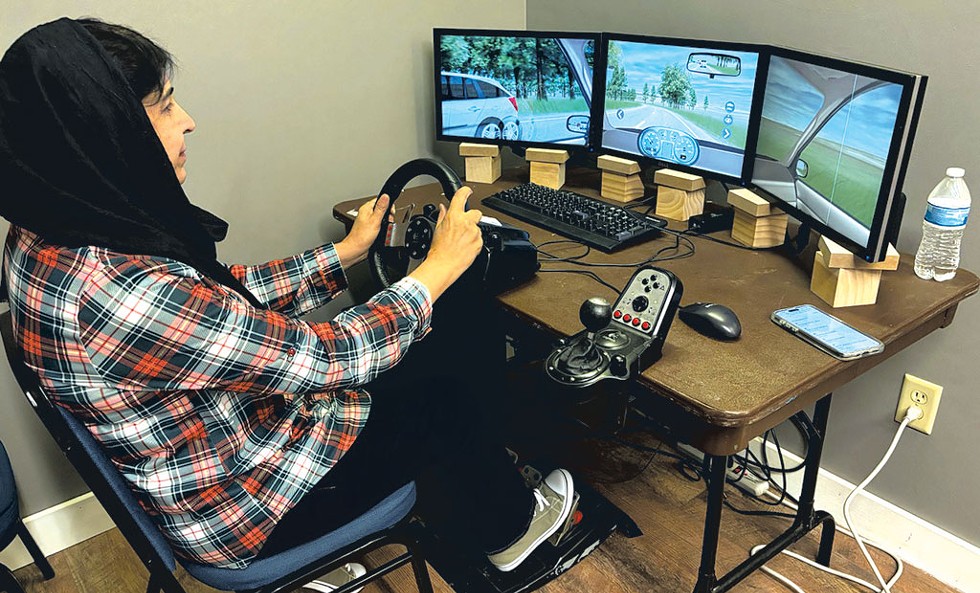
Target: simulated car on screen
column 478, row 107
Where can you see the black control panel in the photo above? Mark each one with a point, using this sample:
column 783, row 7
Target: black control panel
column 620, row 339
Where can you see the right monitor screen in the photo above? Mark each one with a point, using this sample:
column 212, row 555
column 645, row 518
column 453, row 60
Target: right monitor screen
column 827, row 145
column 679, row 104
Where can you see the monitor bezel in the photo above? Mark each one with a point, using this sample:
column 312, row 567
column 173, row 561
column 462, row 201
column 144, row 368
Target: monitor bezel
column 896, row 164
column 438, row 32
column 755, row 111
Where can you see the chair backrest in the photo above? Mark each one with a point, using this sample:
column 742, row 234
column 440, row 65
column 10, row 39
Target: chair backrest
column 91, row 462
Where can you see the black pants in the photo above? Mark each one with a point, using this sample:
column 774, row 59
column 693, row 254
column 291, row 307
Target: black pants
column 427, row 424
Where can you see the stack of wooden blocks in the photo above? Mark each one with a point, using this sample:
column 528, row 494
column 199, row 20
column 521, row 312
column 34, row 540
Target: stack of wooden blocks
column 843, row 280
column 679, row 195
column 482, row 162
column 756, row 223
column 620, row 179
column 547, row 166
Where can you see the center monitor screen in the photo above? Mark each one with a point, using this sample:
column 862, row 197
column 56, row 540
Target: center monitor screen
column 679, row 104
column 514, row 87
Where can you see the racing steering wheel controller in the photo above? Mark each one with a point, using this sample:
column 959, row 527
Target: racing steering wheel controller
column 508, row 257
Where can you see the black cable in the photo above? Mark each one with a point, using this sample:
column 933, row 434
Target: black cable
column 588, row 273
column 555, row 258
column 727, row 243
column 757, row 513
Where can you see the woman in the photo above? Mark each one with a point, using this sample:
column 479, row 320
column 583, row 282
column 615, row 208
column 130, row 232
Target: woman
column 241, row 428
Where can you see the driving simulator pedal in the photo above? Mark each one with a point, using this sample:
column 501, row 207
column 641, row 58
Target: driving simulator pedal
column 594, row 520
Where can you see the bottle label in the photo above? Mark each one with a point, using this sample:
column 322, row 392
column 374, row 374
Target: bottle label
column 940, row 216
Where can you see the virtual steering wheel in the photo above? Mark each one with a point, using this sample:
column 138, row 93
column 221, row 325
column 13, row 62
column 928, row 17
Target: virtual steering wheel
column 401, row 246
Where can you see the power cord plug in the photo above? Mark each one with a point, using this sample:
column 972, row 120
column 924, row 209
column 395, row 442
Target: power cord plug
column 913, row 414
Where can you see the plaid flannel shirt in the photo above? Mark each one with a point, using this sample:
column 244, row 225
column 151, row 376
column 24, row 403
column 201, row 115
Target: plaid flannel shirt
column 220, row 416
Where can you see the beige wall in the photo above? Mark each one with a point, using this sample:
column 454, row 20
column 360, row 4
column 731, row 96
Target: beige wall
column 298, row 104
column 936, row 477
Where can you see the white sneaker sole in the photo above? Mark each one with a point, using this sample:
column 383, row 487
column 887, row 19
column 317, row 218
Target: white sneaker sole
column 569, row 490
column 322, row 587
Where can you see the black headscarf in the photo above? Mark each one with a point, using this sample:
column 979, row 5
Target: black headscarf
column 80, row 163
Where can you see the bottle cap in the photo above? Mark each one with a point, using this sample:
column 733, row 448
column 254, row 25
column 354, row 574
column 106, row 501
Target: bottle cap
column 955, row 172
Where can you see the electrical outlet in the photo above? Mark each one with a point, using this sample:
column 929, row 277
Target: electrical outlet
column 925, row 396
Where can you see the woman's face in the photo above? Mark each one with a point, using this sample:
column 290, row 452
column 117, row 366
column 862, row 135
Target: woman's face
column 170, row 122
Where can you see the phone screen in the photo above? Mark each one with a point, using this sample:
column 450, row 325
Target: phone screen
column 827, row 330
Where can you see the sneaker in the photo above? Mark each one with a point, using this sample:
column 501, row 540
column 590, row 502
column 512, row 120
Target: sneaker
column 553, row 504
column 334, row 579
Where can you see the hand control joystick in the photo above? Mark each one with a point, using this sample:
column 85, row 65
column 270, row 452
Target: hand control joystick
column 595, row 314
column 583, row 357
column 621, row 340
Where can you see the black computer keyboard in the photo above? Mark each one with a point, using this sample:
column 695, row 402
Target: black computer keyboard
column 602, row 225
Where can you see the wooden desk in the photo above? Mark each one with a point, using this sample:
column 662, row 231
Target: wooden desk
column 720, row 395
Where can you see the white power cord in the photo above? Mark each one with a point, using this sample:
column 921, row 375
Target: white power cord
column 912, row 414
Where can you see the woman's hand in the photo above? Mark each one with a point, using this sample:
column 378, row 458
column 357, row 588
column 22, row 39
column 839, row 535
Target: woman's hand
column 456, row 243
column 354, row 247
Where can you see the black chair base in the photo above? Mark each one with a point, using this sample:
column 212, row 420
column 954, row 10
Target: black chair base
column 39, row 560
column 8, row 584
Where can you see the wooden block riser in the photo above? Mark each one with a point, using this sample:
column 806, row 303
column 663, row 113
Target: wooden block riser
column 678, row 180
column 482, row 169
column 678, row 204
column 837, row 256
column 617, row 165
column 548, row 174
column 472, row 149
column 546, row 155
column 762, row 231
column 748, row 202
column 844, row 287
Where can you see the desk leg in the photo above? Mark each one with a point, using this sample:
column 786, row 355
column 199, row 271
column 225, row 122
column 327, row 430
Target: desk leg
column 715, row 474
column 807, row 518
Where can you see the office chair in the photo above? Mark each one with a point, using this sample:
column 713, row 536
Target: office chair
column 387, row 523
column 11, row 526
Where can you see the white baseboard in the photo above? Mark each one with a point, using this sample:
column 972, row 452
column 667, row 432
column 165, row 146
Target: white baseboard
column 59, row 527
column 946, row 557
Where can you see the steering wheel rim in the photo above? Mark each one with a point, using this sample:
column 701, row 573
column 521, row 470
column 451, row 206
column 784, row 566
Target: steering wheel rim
column 393, row 187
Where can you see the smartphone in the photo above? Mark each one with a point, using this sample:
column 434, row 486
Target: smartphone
column 826, row 332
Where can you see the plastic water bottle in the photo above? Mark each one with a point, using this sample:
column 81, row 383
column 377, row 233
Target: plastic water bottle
column 946, row 214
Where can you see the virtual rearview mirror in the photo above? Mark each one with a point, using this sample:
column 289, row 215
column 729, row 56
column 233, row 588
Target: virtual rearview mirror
column 714, row 64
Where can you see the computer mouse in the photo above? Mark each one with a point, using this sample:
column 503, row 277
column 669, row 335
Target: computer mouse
column 711, row 319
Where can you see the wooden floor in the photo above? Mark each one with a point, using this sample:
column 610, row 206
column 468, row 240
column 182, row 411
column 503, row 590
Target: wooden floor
column 668, row 508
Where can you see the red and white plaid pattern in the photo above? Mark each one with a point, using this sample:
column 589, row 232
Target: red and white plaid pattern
column 220, row 416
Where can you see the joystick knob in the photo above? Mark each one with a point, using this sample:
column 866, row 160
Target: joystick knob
column 618, row 366
column 595, row 314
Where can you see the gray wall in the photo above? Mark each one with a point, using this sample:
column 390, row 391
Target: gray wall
column 934, row 477
column 299, row 105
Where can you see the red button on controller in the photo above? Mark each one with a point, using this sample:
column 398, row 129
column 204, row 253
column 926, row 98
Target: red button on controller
column 627, row 317
column 646, row 325
column 618, row 314
column 636, row 321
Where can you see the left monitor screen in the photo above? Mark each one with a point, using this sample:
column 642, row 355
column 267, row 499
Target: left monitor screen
column 519, row 88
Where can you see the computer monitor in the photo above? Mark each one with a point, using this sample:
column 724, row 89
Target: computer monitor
column 685, row 104
column 834, row 143
column 517, row 88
